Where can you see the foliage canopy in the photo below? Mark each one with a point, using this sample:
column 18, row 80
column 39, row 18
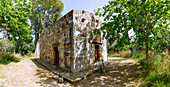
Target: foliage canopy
column 14, row 15
column 44, row 13
column 14, row 19
column 148, row 19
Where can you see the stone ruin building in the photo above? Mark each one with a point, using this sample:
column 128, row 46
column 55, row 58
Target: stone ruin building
column 68, row 44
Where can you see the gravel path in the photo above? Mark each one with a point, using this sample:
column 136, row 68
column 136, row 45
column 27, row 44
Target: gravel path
column 120, row 72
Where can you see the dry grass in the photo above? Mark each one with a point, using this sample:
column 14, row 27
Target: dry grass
column 125, row 54
column 113, row 55
column 25, row 56
column 2, row 75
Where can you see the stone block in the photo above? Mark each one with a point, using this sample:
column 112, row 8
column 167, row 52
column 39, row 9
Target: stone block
column 61, row 80
column 56, row 77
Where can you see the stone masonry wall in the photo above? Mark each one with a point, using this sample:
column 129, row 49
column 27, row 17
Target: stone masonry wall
column 58, row 35
column 71, row 35
column 84, row 50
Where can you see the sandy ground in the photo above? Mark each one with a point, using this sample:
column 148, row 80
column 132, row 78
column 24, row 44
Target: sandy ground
column 120, row 72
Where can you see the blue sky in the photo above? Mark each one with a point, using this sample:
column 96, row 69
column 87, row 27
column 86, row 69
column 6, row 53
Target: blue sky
column 87, row 5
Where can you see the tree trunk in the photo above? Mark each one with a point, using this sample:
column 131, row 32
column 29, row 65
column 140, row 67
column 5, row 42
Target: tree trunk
column 5, row 32
column 102, row 68
column 36, row 43
column 8, row 35
column 147, row 55
column 5, row 50
column 36, row 38
column 14, row 51
column 140, row 49
column 20, row 48
column 131, row 49
column 37, row 49
column 146, row 51
column 43, row 22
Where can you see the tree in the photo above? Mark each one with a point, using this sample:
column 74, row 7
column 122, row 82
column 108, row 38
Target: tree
column 147, row 18
column 44, row 13
column 7, row 46
column 14, row 16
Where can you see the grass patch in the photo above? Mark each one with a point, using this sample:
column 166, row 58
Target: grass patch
column 25, row 56
column 2, row 85
column 113, row 55
column 2, row 75
column 157, row 72
column 6, row 58
column 125, row 54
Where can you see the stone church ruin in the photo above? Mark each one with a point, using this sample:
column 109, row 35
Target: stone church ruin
column 69, row 46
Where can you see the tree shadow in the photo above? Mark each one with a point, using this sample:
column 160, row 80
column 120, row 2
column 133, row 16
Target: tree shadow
column 117, row 59
column 45, row 76
column 43, row 73
column 38, row 64
column 117, row 74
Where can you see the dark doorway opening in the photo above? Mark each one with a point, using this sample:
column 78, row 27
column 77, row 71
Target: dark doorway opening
column 96, row 53
column 56, row 60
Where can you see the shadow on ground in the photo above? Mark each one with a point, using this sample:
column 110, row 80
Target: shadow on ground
column 118, row 73
column 44, row 74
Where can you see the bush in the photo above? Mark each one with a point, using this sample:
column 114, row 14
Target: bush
column 7, row 45
column 160, row 71
column 6, row 58
column 138, row 55
column 157, row 80
column 25, row 48
column 125, row 54
column 157, row 72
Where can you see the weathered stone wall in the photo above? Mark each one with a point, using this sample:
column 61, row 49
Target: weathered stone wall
column 58, row 35
column 84, row 50
column 71, row 35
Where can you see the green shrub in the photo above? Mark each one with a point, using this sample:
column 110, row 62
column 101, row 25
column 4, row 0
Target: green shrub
column 6, row 58
column 138, row 55
column 157, row 72
column 25, row 48
column 7, row 46
column 160, row 70
column 157, row 80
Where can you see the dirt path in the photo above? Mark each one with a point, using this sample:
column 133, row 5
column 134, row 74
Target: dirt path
column 120, row 72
